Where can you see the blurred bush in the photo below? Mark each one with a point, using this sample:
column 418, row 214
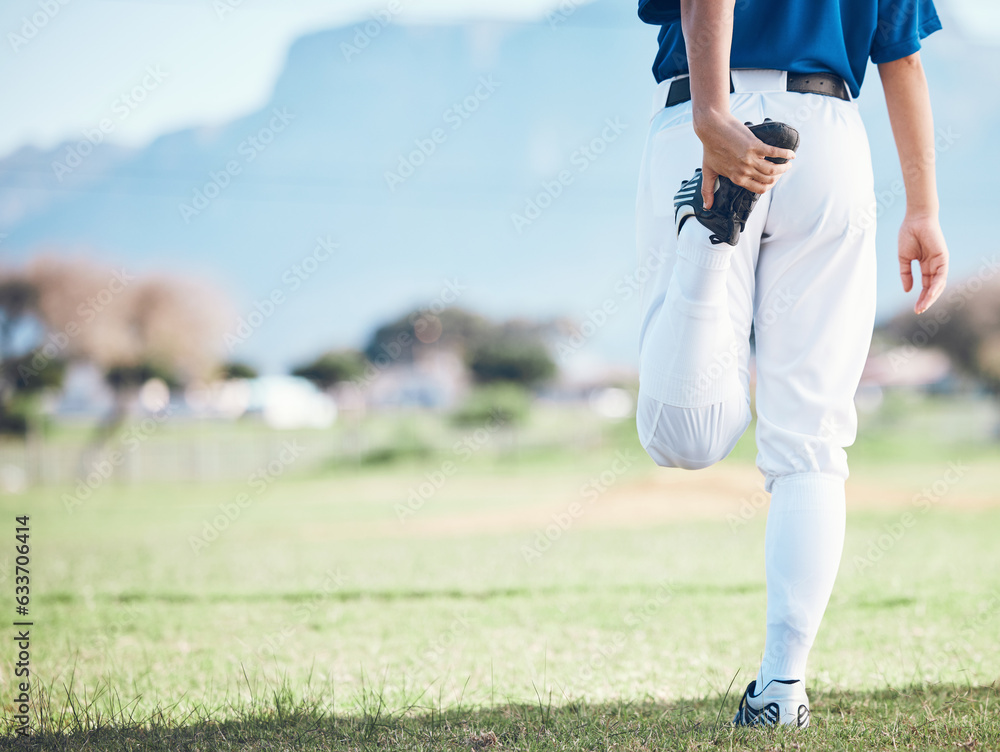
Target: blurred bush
column 506, row 403
column 511, row 356
column 332, row 368
column 237, row 370
column 965, row 324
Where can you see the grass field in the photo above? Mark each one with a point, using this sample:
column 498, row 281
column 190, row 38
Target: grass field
column 580, row 600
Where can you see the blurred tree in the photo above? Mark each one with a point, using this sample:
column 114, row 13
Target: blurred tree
column 965, row 324
column 18, row 300
column 515, row 351
column 23, row 405
column 451, row 327
column 237, row 370
column 332, row 368
column 511, row 355
column 132, row 329
column 111, row 318
column 20, row 385
column 19, row 371
column 132, row 377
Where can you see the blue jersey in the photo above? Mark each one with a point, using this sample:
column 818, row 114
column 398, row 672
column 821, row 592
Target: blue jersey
column 804, row 36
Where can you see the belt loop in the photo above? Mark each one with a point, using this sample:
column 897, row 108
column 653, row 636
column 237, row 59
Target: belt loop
column 758, row 79
column 660, row 95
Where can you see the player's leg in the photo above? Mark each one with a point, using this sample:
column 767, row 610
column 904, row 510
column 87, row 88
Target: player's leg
column 696, row 311
column 814, row 312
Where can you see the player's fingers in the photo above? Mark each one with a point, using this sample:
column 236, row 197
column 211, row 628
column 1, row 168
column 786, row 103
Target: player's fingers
column 769, row 168
column 708, row 180
column 756, row 174
column 754, row 182
column 775, row 155
column 906, row 273
column 764, row 172
column 924, row 302
column 926, row 295
column 934, row 284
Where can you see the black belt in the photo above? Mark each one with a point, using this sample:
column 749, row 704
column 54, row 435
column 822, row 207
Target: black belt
column 828, row 84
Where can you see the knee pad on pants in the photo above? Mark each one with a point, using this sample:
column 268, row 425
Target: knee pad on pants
column 690, row 438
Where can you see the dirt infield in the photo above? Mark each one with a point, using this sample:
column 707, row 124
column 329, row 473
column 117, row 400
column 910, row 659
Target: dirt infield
column 730, row 491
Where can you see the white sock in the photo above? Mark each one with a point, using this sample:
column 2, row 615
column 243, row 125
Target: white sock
column 693, row 334
column 802, row 549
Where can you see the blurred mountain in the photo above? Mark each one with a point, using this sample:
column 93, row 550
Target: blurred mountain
column 410, row 149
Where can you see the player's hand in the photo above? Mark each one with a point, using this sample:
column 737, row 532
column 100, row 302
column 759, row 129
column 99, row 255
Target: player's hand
column 731, row 149
column 921, row 240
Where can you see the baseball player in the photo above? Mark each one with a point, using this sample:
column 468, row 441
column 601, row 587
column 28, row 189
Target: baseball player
column 756, row 207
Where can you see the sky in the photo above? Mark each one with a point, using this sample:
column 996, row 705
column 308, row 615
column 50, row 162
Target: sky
column 221, row 57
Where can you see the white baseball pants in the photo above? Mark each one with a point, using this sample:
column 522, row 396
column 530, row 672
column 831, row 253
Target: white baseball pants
column 802, row 277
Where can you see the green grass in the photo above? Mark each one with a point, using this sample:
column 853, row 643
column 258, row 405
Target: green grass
column 318, row 620
column 938, row 717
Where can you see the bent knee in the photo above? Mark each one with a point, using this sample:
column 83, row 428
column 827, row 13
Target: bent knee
column 691, row 438
column 686, row 457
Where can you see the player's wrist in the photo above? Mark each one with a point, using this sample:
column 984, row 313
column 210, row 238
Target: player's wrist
column 922, row 211
column 708, row 119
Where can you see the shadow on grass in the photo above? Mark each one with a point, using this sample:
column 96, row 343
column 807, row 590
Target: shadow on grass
column 63, row 598
column 918, row 717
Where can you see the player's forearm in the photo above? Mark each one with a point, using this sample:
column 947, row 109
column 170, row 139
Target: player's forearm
column 708, row 37
column 909, row 105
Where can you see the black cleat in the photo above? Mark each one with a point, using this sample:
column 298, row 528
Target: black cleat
column 732, row 204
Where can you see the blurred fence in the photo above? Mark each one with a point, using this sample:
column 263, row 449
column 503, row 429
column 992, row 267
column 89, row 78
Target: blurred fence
column 192, row 458
column 209, row 452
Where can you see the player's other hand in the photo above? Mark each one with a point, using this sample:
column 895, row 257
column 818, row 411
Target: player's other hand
column 731, row 149
column 921, row 240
